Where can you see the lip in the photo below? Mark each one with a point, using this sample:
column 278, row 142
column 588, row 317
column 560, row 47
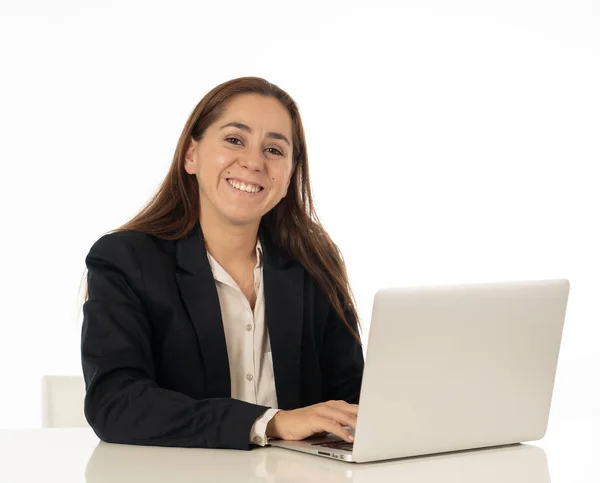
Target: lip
column 246, row 182
column 244, row 193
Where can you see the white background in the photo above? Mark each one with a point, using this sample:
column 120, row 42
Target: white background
column 448, row 142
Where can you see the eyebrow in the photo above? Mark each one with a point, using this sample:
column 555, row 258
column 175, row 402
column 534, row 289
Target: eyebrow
column 243, row 127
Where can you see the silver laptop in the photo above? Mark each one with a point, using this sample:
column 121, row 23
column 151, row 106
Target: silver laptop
column 454, row 367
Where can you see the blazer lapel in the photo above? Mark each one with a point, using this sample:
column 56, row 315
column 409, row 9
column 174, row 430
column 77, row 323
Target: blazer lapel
column 284, row 313
column 199, row 294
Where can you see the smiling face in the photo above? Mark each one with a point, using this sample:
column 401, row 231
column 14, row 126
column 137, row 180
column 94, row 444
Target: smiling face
column 243, row 162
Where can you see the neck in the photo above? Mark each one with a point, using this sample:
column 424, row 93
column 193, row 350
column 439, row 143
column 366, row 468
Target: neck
column 230, row 244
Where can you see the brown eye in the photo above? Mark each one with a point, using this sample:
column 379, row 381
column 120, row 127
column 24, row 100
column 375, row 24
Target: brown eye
column 232, row 141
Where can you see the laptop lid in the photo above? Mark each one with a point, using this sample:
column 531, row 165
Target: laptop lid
column 459, row 366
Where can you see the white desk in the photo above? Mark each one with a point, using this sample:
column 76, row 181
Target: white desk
column 76, row 455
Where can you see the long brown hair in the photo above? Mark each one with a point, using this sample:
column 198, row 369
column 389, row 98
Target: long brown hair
column 173, row 211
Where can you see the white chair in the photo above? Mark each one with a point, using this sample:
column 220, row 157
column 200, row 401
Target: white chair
column 62, row 402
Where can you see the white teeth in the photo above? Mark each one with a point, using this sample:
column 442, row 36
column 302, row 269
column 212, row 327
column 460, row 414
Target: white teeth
column 244, row 186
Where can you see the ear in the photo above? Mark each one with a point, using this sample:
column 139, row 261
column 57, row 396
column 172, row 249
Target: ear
column 190, row 159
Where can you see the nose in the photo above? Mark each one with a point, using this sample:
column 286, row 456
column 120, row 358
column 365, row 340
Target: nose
column 252, row 160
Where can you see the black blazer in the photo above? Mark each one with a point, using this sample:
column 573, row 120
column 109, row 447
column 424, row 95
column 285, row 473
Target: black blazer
column 153, row 347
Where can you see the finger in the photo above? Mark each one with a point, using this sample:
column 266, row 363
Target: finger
column 339, row 416
column 344, row 406
column 335, row 428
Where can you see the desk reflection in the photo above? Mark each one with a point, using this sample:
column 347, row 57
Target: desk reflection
column 125, row 463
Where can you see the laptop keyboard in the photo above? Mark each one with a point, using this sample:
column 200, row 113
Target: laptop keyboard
column 336, row 444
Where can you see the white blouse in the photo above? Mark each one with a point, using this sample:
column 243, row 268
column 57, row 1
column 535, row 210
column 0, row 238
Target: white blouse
column 248, row 344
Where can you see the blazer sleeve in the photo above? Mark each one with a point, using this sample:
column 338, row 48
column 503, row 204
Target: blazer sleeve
column 123, row 402
column 342, row 360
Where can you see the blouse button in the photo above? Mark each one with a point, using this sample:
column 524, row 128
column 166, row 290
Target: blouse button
column 248, row 327
column 249, row 377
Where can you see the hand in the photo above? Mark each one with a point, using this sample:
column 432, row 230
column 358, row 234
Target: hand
column 327, row 417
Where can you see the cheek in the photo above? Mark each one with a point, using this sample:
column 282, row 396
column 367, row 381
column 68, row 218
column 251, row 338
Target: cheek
column 278, row 176
column 213, row 164
column 222, row 159
column 277, row 182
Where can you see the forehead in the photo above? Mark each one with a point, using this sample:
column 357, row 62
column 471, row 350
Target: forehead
column 258, row 112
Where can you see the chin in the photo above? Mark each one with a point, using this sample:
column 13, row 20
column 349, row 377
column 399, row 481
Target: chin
column 244, row 220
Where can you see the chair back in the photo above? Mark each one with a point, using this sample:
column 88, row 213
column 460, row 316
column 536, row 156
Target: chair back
column 62, row 402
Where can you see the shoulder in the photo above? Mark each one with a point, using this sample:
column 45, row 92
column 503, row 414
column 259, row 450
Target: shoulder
column 124, row 247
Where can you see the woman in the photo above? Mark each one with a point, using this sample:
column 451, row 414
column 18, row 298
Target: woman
column 221, row 315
